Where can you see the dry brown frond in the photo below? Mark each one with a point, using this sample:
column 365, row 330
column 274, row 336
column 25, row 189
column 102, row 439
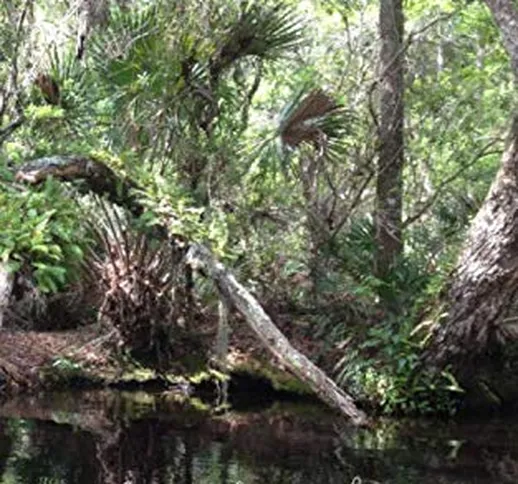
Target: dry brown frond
column 296, row 128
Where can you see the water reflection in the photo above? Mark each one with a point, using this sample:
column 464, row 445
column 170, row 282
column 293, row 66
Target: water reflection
column 115, row 438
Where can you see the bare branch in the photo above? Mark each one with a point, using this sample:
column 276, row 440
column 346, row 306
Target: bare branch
column 232, row 292
column 11, row 128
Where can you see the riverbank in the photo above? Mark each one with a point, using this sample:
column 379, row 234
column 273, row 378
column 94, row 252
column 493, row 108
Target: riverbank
column 88, row 357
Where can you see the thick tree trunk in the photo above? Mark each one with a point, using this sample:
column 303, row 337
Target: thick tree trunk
column 478, row 339
column 485, row 282
column 389, row 185
column 100, row 179
column 505, row 14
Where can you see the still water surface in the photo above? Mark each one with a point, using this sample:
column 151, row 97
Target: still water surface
column 114, row 437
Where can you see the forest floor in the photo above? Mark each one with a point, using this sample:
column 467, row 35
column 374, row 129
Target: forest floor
column 28, row 358
column 24, row 354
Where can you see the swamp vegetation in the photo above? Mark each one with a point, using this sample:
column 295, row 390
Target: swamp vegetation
column 319, row 198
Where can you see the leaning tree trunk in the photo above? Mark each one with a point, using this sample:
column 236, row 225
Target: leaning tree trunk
column 485, row 283
column 272, row 338
column 478, row 340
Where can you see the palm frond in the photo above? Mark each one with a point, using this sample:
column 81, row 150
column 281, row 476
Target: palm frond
column 312, row 120
column 120, row 52
column 74, row 88
column 299, row 124
column 264, row 31
column 357, row 247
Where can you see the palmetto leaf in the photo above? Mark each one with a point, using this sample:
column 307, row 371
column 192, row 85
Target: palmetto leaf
column 75, row 89
column 164, row 73
column 139, row 67
column 263, row 31
column 123, row 51
column 298, row 123
column 315, row 118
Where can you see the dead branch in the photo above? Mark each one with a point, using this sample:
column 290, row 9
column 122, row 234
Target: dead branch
column 100, row 178
column 236, row 294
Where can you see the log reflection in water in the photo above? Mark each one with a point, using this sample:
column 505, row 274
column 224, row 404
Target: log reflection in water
column 113, row 438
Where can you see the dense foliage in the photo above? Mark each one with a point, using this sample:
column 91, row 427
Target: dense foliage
column 253, row 126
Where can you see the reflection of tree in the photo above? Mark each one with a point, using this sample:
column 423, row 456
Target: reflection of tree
column 52, row 451
column 154, row 453
column 131, row 454
column 503, row 468
column 147, row 452
column 113, row 445
column 6, row 443
column 188, row 459
column 225, row 459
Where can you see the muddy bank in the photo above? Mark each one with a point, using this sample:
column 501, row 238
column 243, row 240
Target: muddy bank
column 87, row 357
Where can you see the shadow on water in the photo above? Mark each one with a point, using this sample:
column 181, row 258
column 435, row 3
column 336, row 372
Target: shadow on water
column 116, row 437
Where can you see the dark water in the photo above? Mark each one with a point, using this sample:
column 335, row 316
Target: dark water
column 110, row 437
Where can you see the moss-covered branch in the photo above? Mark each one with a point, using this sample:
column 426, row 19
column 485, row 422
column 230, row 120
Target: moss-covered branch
column 98, row 177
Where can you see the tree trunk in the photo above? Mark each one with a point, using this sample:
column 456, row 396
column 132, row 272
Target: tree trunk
column 90, row 13
column 485, row 282
column 478, row 339
column 6, row 287
column 505, row 14
column 389, row 185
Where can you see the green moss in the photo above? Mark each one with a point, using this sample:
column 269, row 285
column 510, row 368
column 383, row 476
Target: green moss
column 207, row 375
column 198, row 405
column 62, row 370
column 138, row 375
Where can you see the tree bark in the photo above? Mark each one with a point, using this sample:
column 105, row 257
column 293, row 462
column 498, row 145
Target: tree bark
column 505, row 14
column 485, row 282
column 478, row 338
column 6, row 287
column 69, row 167
column 90, row 13
column 99, row 178
column 389, row 184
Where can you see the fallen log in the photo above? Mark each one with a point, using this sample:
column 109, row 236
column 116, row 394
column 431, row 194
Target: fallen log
column 101, row 179
column 98, row 177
